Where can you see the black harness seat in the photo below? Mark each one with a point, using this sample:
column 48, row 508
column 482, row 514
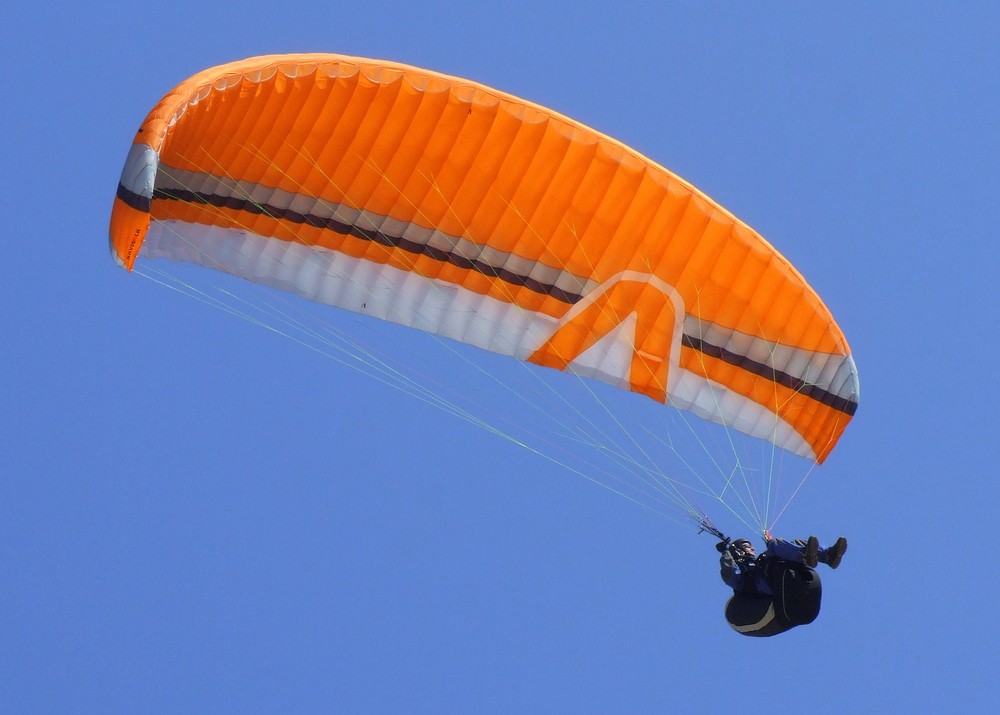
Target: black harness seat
column 797, row 592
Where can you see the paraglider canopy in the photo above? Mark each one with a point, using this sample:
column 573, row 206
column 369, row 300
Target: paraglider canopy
column 447, row 206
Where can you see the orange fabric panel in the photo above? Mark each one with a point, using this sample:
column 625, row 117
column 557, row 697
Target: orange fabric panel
column 654, row 331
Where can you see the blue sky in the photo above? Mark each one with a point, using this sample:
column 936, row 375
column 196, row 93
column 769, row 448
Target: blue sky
column 198, row 515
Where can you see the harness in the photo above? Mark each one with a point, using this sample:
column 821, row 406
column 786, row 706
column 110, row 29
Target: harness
column 752, row 570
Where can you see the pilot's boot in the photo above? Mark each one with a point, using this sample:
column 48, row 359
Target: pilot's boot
column 832, row 556
column 810, row 555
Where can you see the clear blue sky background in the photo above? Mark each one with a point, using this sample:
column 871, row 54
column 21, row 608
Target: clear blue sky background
column 199, row 516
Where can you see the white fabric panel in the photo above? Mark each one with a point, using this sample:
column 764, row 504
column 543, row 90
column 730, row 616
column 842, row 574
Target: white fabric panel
column 139, row 171
column 610, row 358
column 362, row 286
column 710, row 400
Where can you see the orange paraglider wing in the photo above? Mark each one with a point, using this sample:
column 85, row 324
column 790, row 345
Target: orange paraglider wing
column 442, row 204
